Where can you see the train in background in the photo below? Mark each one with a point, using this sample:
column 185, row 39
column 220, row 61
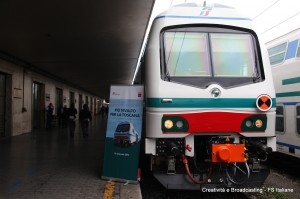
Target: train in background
column 210, row 99
column 284, row 55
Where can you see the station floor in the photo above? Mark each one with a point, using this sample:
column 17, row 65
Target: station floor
column 49, row 164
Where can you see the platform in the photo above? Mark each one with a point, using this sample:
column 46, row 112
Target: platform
column 49, row 164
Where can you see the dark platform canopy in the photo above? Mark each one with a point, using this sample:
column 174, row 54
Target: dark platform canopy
column 89, row 43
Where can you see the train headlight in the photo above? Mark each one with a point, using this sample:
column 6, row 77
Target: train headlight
column 258, row 123
column 168, row 124
column 249, row 123
column 179, row 124
column 174, row 124
column 254, row 123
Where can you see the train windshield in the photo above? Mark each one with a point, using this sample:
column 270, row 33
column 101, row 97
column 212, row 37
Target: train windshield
column 223, row 57
column 123, row 128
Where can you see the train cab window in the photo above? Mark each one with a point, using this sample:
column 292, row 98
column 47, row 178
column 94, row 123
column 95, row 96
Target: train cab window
column 277, row 53
column 298, row 118
column 123, row 128
column 200, row 56
column 232, row 55
column 187, row 54
column 279, row 128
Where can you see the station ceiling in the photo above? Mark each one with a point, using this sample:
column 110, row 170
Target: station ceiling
column 88, row 43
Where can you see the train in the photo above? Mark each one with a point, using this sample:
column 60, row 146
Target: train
column 125, row 134
column 210, row 102
column 284, row 56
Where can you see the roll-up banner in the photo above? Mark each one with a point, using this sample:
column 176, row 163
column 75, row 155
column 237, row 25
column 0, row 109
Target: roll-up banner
column 123, row 134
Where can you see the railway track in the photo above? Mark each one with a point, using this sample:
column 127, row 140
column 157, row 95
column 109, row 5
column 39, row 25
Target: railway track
column 284, row 164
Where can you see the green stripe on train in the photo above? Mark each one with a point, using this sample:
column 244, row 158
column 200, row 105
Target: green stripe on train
column 294, row 80
column 205, row 103
column 288, row 94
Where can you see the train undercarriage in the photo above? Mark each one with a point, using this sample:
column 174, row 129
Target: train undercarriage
column 218, row 162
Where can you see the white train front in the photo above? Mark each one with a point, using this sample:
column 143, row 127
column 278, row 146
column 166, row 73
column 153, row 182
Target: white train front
column 210, row 100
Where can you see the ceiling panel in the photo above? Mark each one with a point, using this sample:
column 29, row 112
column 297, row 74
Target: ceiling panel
column 90, row 43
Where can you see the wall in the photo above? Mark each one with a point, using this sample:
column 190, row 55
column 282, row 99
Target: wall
column 19, row 96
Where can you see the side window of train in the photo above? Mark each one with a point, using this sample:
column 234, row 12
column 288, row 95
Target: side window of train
column 279, row 128
column 277, row 53
column 298, row 50
column 298, row 118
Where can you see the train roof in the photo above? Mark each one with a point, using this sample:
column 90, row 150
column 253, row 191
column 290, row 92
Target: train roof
column 124, row 122
column 216, row 13
column 293, row 34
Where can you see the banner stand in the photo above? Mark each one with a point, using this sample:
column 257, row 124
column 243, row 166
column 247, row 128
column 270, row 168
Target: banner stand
column 123, row 134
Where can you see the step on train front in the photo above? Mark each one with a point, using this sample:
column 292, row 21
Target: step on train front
column 210, row 100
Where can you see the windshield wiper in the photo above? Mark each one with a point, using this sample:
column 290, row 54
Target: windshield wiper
column 167, row 75
column 255, row 77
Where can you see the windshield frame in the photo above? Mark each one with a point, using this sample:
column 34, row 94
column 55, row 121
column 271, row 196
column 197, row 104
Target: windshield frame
column 205, row 80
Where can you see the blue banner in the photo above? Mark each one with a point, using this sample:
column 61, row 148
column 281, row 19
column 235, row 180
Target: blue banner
column 123, row 134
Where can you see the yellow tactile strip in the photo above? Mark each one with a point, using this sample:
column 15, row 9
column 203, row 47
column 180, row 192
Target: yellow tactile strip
column 109, row 190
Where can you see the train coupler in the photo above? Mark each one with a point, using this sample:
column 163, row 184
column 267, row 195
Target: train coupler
column 255, row 165
column 228, row 153
column 171, row 165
